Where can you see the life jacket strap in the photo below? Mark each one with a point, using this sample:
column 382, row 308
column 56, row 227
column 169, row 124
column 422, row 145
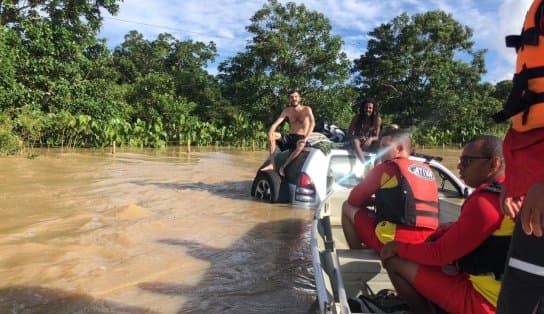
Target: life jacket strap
column 430, row 203
column 528, row 37
column 424, row 213
column 521, row 98
column 494, row 187
column 529, row 98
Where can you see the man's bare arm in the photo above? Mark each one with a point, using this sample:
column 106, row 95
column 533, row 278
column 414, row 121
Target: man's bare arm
column 278, row 121
column 312, row 123
column 378, row 128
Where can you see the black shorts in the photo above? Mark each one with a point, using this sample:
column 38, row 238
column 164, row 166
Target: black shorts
column 289, row 141
column 522, row 291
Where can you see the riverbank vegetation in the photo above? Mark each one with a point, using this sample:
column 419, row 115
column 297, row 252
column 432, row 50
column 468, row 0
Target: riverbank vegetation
column 62, row 86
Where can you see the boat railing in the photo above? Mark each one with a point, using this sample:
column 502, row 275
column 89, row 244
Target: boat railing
column 331, row 294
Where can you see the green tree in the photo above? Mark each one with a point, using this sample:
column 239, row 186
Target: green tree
column 423, row 70
column 80, row 16
column 31, row 124
column 9, row 142
column 153, row 99
column 136, row 57
column 59, row 63
column 502, row 90
column 291, row 47
column 9, row 52
column 183, row 61
column 187, row 63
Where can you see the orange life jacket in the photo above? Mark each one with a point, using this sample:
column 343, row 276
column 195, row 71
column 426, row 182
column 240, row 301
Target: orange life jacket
column 412, row 202
column 526, row 101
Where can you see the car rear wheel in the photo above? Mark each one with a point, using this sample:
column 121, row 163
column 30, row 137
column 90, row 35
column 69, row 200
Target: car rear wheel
column 266, row 186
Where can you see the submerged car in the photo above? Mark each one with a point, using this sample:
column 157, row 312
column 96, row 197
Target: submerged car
column 327, row 166
column 309, row 177
column 323, row 165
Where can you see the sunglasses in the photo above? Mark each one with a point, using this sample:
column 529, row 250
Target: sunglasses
column 465, row 161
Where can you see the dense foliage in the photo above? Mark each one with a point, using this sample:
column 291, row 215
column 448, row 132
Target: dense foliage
column 291, row 48
column 62, row 86
column 425, row 74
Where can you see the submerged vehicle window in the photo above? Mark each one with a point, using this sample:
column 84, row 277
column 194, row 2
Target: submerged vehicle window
column 343, row 172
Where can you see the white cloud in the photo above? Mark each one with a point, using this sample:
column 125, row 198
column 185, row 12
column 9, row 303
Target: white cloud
column 224, row 22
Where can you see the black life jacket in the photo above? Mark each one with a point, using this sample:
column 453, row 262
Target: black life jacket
column 490, row 256
column 526, row 101
column 414, row 200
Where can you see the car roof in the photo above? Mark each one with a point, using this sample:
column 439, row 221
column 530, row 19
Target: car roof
column 433, row 161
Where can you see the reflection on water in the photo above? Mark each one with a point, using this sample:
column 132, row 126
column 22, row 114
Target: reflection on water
column 148, row 232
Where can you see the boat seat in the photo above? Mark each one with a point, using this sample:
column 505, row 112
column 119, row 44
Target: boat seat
column 362, row 269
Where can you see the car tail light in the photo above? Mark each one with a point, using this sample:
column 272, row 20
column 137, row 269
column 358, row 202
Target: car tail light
column 305, row 191
column 304, row 180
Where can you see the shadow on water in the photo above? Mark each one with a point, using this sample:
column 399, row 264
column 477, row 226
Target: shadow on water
column 34, row 299
column 244, row 278
column 237, row 190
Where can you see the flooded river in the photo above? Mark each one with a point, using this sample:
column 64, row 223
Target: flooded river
column 149, row 232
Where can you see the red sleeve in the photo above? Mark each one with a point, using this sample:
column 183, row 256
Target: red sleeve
column 441, row 231
column 361, row 195
column 479, row 218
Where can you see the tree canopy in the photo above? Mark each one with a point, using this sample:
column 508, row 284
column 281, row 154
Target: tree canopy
column 291, row 48
column 62, row 86
column 425, row 73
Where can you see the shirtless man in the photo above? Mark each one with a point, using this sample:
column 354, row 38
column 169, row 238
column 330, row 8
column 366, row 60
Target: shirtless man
column 301, row 122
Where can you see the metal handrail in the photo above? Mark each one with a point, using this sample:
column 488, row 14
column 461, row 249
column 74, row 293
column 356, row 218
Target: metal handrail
column 325, row 304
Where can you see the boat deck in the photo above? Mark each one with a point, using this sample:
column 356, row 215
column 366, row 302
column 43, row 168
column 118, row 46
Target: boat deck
column 361, row 269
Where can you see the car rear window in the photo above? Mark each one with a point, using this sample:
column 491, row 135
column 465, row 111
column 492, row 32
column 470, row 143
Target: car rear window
column 344, row 171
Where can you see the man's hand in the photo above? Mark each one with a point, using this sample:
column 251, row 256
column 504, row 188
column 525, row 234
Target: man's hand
column 532, row 211
column 510, row 206
column 389, row 250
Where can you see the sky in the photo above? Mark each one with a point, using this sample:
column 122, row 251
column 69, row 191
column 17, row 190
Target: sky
column 224, row 23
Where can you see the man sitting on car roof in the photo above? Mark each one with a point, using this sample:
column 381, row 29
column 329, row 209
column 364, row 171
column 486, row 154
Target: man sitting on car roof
column 477, row 244
column 406, row 201
column 301, row 121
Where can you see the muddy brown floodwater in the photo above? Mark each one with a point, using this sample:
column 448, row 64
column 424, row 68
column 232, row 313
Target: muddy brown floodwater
column 151, row 231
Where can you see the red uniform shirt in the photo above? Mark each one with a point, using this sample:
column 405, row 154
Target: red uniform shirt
column 361, row 195
column 524, row 160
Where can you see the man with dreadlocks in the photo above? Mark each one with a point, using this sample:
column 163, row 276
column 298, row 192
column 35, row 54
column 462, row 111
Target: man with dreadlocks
column 365, row 128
